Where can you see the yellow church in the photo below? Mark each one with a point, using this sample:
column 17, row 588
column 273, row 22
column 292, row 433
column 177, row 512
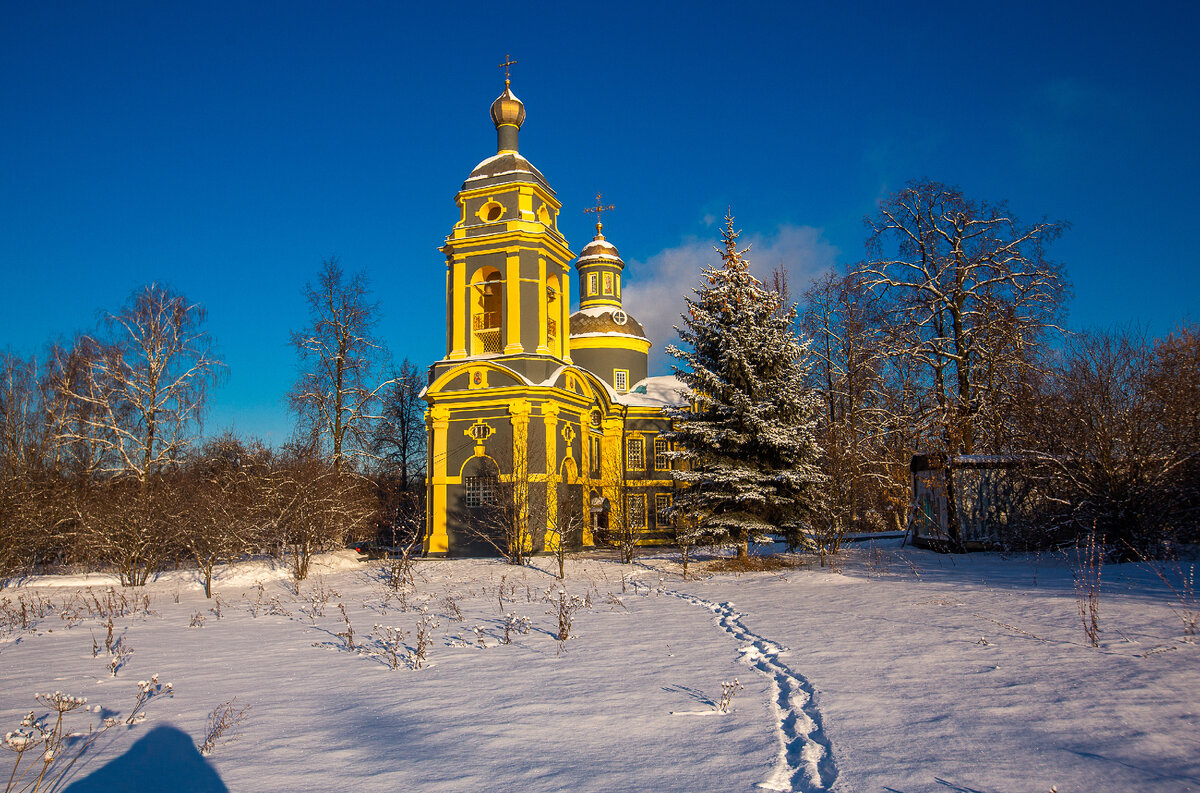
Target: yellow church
column 539, row 417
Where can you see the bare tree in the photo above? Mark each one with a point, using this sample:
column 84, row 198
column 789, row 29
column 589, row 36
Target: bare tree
column 400, row 434
column 143, row 391
column 971, row 291
column 127, row 406
column 563, row 532
column 1109, row 461
column 337, row 395
column 510, row 510
column 23, row 427
column 624, row 524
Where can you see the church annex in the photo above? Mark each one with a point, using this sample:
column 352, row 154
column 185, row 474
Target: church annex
column 530, row 398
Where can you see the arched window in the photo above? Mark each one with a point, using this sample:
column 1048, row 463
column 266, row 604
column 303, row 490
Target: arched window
column 486, row 302
column 480, row 484
column 552, row 310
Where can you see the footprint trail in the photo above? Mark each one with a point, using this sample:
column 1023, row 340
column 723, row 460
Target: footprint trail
column 805, row 762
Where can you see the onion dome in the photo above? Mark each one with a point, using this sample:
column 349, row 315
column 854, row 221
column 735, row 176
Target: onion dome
column 506, row 165
column 607, row 320
column 600, row 249
column 507, row 109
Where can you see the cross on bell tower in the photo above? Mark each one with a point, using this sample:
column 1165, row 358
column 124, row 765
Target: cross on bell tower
column 508, row 61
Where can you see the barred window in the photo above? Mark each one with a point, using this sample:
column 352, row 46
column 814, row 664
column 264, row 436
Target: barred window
column 481, row 490
column 621, row 379
column 635, row 510
column 662, row 509
column 593, row 280
column 635, row 454
column 661, row 447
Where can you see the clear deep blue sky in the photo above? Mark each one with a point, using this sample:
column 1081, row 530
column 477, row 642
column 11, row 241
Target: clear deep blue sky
column 227, row 148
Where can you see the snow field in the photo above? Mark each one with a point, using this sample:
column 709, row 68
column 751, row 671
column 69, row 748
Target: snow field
column 906, row 671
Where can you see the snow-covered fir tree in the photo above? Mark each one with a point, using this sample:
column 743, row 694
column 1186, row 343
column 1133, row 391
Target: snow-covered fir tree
column 748, row 442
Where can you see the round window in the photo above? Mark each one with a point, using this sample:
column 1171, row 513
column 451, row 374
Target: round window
column 595, row 418
column 620, row 317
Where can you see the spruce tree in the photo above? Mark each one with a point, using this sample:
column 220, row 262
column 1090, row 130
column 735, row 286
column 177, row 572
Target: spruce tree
column 748, row 440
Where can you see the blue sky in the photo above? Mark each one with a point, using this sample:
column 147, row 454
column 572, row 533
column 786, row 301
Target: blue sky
column 227, row 148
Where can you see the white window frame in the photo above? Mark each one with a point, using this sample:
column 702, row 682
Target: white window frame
column 632, row 511
column 661, row 462
column 662, row 506
column 635, row 454
column 621, row 379
column 480, row 490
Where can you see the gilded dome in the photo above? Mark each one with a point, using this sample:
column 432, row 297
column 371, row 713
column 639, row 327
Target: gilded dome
column 599, row 248
column 507, row 109
column 608, row 321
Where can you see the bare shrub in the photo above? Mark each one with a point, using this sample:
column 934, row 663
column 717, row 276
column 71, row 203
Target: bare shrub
column 222, row 723
column 753, row 564
column 400, row 570
column 1182, row 584
column 197, row 620
column 390, row 642
column 119, row 652
column 452, row 608
column 1089, row 566
column 514, row 624
column 728, row 689
column 347, row 635
column 50, row 747
column 148, row 690
column 418, row 654
column 877, row 563
column 566, row 614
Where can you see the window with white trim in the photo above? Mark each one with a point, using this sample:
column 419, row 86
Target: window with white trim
column 481, row 490
column 593, row 284
column 661, row 447
column 635, row 454
column 635, row 510
column 621, row 379
column 662, row 509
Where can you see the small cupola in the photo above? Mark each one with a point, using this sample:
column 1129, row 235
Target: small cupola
column 508, row 114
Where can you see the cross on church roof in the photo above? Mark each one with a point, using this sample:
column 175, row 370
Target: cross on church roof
column 599, row 209
column 508, row 61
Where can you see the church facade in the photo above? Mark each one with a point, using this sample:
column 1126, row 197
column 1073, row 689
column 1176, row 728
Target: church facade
column 531, row 401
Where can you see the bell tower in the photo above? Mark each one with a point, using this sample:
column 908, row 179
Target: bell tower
column 507, row 266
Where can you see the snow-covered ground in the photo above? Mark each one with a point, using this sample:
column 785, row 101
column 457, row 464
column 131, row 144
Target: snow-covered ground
column 900, row 670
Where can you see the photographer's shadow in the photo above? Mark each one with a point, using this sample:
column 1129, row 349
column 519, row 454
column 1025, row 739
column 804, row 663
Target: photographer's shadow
column 165, row 759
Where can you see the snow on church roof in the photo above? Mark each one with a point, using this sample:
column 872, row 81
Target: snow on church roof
column 662, row 391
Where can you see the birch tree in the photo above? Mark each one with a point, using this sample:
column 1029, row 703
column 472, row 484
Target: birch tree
column 135, row 397
column 337, row 395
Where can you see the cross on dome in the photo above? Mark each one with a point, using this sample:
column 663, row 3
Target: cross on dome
column 508, row 61
column 599, row 209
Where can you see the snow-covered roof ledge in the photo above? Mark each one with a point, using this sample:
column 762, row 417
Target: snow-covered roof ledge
column 662, row 391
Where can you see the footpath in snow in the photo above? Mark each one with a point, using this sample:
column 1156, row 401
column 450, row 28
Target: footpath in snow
column 896, row 670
